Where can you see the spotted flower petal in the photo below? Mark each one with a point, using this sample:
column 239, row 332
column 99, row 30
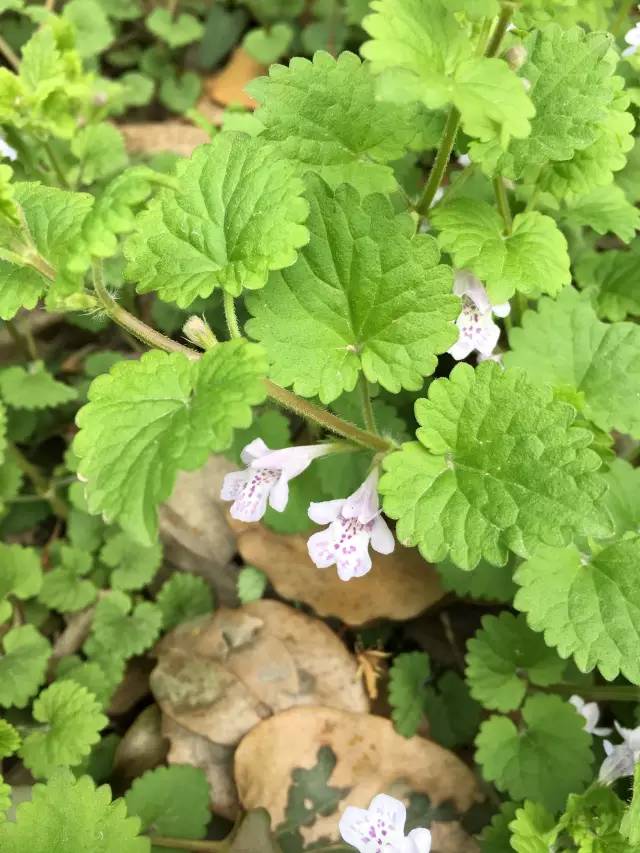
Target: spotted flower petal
column 477, row 331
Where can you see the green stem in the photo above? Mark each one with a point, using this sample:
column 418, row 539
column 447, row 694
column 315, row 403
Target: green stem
column 597, row 692
column 231, row 316
column 503, row 203
column 23, row 338
column 285, row 398
column 622, row 17
column 40, row 483
column 189, row 844
column 367, row 406
column 57, row 168
column 453, row 120
column 7, row 51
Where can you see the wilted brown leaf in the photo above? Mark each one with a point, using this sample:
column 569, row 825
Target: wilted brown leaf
column 399, row 586
column 371, row 759
column 227, row 86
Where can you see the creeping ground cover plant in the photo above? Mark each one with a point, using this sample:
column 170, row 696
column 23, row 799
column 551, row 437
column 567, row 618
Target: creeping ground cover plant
column 319, row 446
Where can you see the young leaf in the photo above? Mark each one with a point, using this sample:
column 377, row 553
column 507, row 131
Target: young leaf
column 534, row 829
column 97, row 678
column 251, row 584
column 177, row 30
column 133, row 565
column 173, row 800
column 452, row 714
column 365, row 294
column 72, row 721
column 183, row 597
column 424, row 53
column 407, row 690
column 593, row 821
column 33, row 388
column 63, row 587
column 588, row 607
column 524, row 763
column 613, row 280
column 498, row 466
column 531, row 259
column 100, row 150
column 623, row 497
column 94, row 31
column 326, row 117
column 118, row 630
column 10, row 739
column 564, row 344
column 20, row 575
column 493, row 583
column 504, row 657
column 495, row 836
column 23, row 665
column 77, row 812
column 147, row 419
column 606, row 210
column 237, row 214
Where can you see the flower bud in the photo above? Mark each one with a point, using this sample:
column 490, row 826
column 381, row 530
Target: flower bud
column 78, row 302
column 198, row 332
column 516, row 56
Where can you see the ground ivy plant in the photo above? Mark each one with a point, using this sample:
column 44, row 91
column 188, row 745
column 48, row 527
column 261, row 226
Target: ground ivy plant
column 425, row 256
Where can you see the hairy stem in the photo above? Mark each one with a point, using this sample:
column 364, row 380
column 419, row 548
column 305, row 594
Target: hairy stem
column 57, row 168
column 285, row 398
column 41, row 485
column 503, row 203
column 367, row 406
column 231, row 316
column 23, row 338
column 597, row 692
column 453, row 119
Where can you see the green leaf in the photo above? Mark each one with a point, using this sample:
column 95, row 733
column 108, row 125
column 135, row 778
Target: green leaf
column 63, row 587
column 72, row 814
column 623, row 497
column 593, row 821
column 524, row 762
column 452, row 714
column 630, row 826
column 72, row 721
column 534, row 829
column 133, row 565
column 10, row 739
column 268, row 45
column 424, row 53
column 94, row 32
column 366, row 294
column 180, row 93
column 504, row 657
column 572, row 88
column 564, row 344
column 251, row 584
column 606, row 210
column 53, row 220
column 183, row 597
column 147, row 419
column 8, row 207
column 11, row 479
column 100, row 150
column 23, row 665
column 326, row 117
column 5, row 799
column 310, row 794
column 495, row 836
column 222, row 30
column 588, row 607
column 407, row 690
column 499, row 466
column 20, row 575
column 33, row 388
column 120, row 630
column 237, row 214
column 532, row 259
column 613, row 280
column 493, row 583
column 172, row 801
column 97, row 678
column 175, row 31
column 271, row 426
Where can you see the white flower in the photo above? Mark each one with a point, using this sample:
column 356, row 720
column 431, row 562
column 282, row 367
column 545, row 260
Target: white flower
column 353, row 524
column 266, row 478
column 464, row 160
column 380, row 828
column 591, row 713
column 475, row 323
column 622, row 757
column 632, row 38
column 7, row 151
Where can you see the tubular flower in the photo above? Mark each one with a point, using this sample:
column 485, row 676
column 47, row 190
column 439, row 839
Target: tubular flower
column 380, row 828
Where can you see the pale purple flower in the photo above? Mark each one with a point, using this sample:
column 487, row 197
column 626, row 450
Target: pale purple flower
column 380, row 828
column 354, row 523
column 632, row 38
column 622, row 757
column 7, row 151
column 266, row 478
column 475, row 322
column 591, row 713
